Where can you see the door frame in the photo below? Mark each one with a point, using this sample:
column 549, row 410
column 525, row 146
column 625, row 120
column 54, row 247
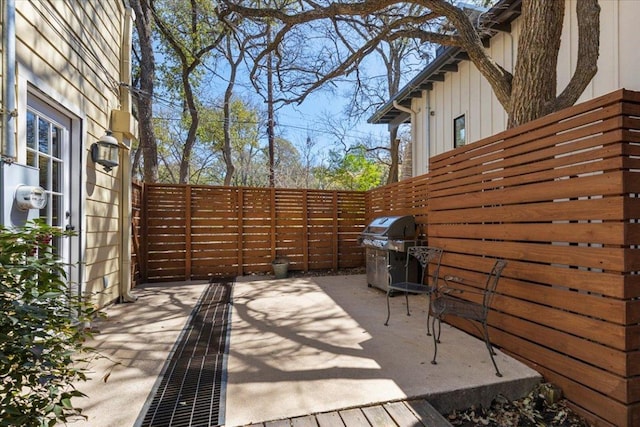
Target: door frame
column 31, row 87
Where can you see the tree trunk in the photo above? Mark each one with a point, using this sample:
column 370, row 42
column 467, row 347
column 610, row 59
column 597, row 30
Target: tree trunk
column 193, row 127
column 226, row 149
column 534, row 82
column 394, row 153
column 531, row 91
column 407, row 161
column 146, row 135
column 228, row 95
column 588, row 13
column 534, row 90
column 393, row 62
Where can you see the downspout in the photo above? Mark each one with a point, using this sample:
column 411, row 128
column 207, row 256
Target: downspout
column 414, row 127
column 427, row 130
column 8, row 80
column 125, row 164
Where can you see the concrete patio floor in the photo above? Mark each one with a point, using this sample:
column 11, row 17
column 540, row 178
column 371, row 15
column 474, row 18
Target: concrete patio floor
column 297, row 346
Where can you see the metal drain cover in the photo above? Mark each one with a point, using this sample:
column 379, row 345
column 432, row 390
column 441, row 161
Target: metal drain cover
column 191, row 390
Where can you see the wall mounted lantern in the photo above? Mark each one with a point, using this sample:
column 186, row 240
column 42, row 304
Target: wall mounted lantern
column 105, row 151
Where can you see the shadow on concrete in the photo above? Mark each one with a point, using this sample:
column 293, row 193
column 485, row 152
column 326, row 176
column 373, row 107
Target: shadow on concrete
column 308, row 345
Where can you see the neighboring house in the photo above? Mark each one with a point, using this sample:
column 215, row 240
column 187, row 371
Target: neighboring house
column 450, row 104
column 65, row 77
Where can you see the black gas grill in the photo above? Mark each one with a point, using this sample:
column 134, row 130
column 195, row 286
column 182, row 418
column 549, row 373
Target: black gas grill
column 386, row 240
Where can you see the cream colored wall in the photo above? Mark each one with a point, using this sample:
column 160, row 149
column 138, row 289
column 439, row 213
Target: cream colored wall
column 420, row 155
column 70, row 51
column 619, row 50
column 467, row 92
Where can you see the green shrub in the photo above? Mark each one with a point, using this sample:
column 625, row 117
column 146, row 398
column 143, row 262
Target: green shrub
column 41, row 333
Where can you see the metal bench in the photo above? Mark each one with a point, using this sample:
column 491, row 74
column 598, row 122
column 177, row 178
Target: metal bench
column 446, row 301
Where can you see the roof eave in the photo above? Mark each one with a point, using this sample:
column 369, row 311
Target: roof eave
column 498, row 18
column 420, row 82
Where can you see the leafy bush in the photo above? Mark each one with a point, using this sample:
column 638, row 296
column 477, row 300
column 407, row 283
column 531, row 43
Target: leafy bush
column 41, row 333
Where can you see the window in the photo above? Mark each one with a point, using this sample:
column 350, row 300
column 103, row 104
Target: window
column 44, row 140
column 459, row 133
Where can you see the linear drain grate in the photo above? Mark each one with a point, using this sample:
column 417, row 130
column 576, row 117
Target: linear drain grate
column 191, row 389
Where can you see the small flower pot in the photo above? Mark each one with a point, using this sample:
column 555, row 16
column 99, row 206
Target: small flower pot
column 280, row 268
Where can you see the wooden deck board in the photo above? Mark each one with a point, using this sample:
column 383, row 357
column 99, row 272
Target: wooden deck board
column 413, row 413
column 354, row 418
column 377, row 416
column 307, row 421
column 402, row 415
column 427, row 413
column 329, row 419
column 278, row 423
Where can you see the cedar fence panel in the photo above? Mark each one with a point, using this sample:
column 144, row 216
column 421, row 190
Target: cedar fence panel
column 406, row 197
column 557, row 198
column 351, row 208
column 165, row 229
column 195, row 232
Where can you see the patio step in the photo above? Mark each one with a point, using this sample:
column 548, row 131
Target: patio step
column 408, row 413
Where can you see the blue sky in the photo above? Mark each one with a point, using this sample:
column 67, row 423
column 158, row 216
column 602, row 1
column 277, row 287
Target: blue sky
column 296, row 123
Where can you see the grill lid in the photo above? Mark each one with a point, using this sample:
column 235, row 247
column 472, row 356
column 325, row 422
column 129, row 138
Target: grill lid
column 391, row 227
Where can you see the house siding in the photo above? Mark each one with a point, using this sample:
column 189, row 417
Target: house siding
column 468, row 92
column 69, row 52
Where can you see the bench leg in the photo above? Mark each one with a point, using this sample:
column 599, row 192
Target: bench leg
column 406, row 298
column 436, row 338
column 386, row 322
column 490, row 348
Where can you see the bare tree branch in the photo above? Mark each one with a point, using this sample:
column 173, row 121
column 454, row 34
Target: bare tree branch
column 436, row 21
column 588, row 12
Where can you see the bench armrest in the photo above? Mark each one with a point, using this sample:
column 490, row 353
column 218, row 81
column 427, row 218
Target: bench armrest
column 446, row 289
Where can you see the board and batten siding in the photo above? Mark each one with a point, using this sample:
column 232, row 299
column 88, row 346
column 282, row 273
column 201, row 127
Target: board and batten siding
column 468, row 92
column 69, row 53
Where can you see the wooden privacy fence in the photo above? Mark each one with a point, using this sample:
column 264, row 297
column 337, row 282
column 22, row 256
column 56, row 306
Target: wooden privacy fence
column 557, row 198
column 193, row 232
column 407, row 197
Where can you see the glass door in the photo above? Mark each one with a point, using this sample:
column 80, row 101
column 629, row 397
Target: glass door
column 47, row 144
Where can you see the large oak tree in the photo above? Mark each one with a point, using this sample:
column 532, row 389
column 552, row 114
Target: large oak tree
column 529, row 92
column 190, row 33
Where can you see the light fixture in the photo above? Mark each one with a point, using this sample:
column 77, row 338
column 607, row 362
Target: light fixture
column 105, row 151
